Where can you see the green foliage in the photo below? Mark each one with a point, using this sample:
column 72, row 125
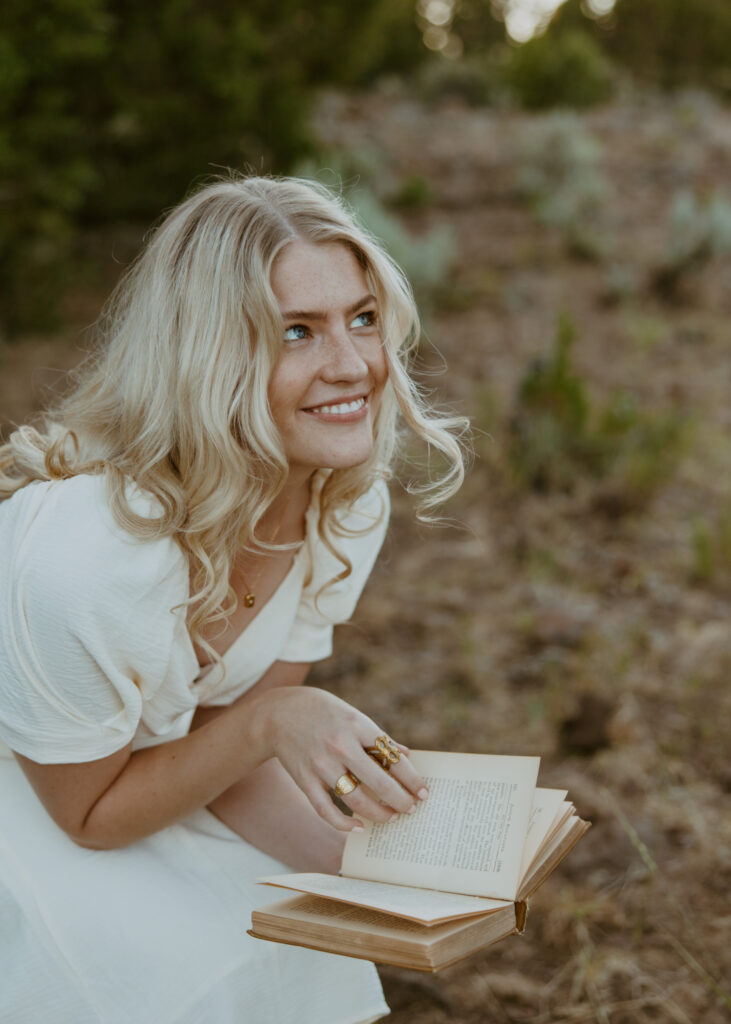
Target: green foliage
column 565, row 71
column 111, row 108
column 414, row 193
column 477, row 26
column 560, row 174
column 703, row 567
column 49, row 56
column 549, row 423
column 671, row 43
column 697, row 233
column 711, row 548
column 636, row 450
column 476, row 81
column 558, row 438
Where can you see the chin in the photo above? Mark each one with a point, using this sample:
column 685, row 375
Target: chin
column 347, row 461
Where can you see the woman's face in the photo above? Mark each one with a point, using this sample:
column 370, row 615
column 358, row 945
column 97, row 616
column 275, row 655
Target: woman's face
column 325, row 388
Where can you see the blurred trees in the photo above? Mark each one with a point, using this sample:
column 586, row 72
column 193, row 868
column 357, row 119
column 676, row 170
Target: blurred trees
column 110, row 108
column 670, row 43
column 569, row 70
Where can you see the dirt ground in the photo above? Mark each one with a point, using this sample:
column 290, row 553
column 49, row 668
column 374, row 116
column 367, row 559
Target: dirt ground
column 588, row 623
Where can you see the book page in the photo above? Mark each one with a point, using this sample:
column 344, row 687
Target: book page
column 547, row 807
column 466, row 837
column 315, row 909
column 552, row 853
column 425, row 905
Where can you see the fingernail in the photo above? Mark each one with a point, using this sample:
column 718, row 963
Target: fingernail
column 394, row 817
column 357, row 828
column 411, row 809
column 423, row 793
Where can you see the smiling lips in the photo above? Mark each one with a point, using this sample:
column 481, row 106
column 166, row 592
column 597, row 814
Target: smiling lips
column 341, row 412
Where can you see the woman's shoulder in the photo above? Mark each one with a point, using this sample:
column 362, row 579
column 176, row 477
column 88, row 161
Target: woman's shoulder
column 65, row 530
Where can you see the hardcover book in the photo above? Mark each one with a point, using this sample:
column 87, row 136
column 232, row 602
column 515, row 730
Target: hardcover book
column 435, row 886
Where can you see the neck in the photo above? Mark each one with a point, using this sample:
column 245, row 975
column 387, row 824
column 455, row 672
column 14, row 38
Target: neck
column 288, row 509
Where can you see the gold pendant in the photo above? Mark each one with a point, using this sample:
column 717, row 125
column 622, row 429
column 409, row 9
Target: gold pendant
column 249, row 601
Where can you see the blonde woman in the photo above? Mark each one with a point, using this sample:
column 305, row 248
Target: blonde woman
column 177, row 540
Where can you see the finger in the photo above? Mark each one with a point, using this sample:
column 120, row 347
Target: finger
column 409, row 778
column 363, row 802
column 319, row 797
column 404, row 773
column 387, row 788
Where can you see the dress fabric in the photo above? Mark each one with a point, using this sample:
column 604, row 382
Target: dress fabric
column 94, row 652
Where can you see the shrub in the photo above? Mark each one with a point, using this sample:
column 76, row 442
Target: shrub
column 557, row 437
column 472, row 80
column 414, row 193
column 549, row 421
column 711, row 548
column 565, row 71
column 697, row 233
column 559, row 173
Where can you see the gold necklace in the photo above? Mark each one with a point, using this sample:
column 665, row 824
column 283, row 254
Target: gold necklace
column 250, row 596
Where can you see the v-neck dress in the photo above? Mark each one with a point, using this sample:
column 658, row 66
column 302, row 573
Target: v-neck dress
column 94, row 652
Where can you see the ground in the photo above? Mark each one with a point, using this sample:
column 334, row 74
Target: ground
column 583, row 614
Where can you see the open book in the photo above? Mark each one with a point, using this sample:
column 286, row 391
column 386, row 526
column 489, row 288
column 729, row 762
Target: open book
column 432, row 887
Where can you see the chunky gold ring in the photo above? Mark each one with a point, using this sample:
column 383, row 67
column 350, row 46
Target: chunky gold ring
column 346, row 784
column 385, row 752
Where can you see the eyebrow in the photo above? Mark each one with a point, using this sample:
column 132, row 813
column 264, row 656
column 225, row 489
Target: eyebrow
column 317, row 314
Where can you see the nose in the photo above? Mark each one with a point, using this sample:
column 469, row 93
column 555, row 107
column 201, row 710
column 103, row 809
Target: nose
column 342, row 360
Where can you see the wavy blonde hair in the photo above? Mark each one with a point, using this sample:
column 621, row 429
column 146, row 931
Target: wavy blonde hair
column 175, row 398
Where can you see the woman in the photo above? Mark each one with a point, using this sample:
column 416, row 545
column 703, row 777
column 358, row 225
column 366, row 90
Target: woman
column 176, row 542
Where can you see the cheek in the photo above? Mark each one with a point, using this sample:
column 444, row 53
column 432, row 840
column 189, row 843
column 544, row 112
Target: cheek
column 283, row 391
column 378, row 364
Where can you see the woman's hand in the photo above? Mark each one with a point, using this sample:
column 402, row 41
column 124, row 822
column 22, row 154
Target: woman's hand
column 318, row 737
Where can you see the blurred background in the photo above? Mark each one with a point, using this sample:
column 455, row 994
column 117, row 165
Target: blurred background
column 554, row 177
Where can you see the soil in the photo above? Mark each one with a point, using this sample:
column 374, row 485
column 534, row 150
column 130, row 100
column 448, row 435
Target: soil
column 591, row 623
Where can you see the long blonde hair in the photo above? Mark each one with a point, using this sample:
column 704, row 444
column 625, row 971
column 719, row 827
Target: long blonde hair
column 175, row 398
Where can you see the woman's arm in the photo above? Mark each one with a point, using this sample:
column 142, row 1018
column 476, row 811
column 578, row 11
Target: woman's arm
column 267, row 809
column 121, row 798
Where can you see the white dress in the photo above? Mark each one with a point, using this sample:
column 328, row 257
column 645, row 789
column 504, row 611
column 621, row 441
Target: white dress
column 94, row 653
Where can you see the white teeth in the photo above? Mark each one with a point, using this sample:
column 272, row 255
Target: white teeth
column 339, row 410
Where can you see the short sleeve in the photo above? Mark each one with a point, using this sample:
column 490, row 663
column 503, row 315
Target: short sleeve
column 87, row 622
column 323, row 606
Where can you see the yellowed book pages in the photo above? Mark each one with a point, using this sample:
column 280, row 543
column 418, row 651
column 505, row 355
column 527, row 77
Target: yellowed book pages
column 424, row 905
column 336, row 927
column 467, row 837
column 547, row 807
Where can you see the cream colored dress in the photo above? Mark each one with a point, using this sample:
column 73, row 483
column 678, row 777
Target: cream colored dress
column 94, row 653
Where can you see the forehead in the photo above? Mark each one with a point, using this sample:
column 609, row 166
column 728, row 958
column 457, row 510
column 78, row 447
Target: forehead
column 306, row 275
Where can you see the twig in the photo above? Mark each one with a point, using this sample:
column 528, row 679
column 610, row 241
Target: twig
column 700, row 970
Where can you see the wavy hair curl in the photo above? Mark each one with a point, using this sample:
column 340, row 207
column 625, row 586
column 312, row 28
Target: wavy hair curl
column 175, row 396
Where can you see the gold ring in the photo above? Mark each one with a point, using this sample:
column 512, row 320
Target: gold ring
column 385, row 752
column 346, row 784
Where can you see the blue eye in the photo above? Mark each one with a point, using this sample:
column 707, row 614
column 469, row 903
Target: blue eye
column 367, row 319
column 296, row 333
